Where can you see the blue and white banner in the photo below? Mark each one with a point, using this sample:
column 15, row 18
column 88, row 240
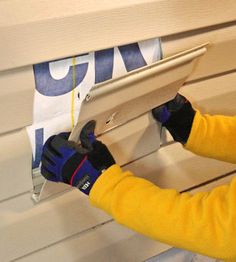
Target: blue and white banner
column 62, row 85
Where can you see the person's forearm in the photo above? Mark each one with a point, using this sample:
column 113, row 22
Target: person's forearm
column 203, row 223
column 213, row 136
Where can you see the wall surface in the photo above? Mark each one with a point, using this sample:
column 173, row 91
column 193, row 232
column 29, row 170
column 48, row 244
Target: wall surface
column 199, row 58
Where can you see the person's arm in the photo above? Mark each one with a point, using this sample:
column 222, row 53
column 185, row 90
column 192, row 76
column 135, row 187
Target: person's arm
column 213, row 136
column 204, row 222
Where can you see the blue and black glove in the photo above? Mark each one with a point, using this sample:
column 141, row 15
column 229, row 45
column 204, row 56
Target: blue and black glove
column 177, row 116
column 74, row 164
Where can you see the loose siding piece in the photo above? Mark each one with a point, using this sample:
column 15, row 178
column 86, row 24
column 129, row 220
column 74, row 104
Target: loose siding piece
column 38, row 31
column 200, row 93
column 117, row 101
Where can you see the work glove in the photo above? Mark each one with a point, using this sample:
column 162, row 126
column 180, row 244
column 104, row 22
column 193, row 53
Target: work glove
column 177, row 116
column 78, row 165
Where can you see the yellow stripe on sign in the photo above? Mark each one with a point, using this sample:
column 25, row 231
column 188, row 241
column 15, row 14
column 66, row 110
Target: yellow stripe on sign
column 73, row 92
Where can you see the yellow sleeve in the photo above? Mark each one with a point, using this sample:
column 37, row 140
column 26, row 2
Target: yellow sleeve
column 213, row 136
column 203, row 223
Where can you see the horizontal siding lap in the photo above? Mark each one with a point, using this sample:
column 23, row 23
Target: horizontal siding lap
column 31, row 40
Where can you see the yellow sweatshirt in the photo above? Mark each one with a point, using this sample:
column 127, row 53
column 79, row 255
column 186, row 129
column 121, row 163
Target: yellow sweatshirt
column 204, row 222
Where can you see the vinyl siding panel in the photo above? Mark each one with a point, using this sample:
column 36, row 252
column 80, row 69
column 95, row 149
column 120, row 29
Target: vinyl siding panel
column 42, row 31
column 16, row 98
column 221, row 53
column 15, row 164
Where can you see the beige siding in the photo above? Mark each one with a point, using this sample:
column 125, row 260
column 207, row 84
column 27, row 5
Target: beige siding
column 45, row 31
column 15, row 164
column 16, row 98
column 221, row 53
column 111, row 242
column 213, row 96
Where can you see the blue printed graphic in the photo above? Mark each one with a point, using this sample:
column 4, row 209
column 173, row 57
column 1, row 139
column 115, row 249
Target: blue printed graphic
column 48, row 86
column 132, row 56
column 104, row 65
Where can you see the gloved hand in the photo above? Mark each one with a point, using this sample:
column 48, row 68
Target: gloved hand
column 177, row 116
column 74, row 164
